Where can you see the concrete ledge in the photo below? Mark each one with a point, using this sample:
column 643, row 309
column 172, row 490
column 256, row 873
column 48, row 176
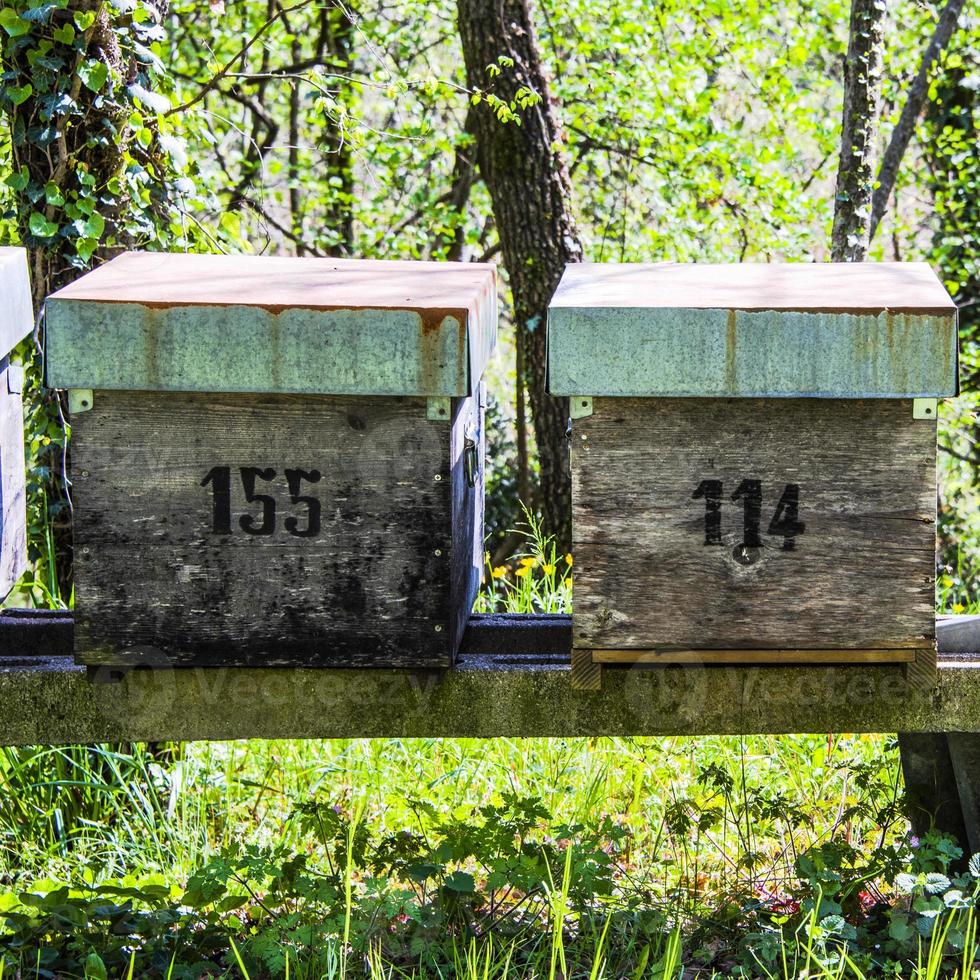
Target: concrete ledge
column 513, row 679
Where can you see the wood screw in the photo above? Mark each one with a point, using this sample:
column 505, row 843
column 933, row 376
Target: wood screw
column 438, row 478
column 438, row 552
column 438, row 629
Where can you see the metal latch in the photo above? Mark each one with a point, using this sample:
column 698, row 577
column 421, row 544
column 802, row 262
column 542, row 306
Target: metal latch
column 471, row 455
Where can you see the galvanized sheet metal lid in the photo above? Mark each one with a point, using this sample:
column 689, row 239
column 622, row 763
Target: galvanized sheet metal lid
column 866, row 330
column 16, row 308
column 223, row 323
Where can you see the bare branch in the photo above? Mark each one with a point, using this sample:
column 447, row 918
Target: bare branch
column 914, row 103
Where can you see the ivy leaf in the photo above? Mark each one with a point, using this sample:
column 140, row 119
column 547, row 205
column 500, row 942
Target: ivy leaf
column 94, row 74
column 40, row 226
column 84, row 19
column 40, row 14
column 53, row 195
column 19, row 180
column 19, row 95
column 94, row 226
column 65, row 34
column 13, row 23
column 85, row 247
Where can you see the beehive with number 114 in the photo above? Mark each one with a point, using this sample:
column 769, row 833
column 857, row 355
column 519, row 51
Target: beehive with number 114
column 274, row 460
column 753, row 459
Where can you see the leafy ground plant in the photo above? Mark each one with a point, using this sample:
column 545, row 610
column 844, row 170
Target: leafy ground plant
column 536, row 580
column 502, row 890
column 759, row 857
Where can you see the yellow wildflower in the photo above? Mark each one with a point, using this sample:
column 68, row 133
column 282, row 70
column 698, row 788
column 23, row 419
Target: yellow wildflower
column 548, row 569
column 521, row 572
column 568, row 560
column 500, row 571
column 958, row 608
column 528, row 562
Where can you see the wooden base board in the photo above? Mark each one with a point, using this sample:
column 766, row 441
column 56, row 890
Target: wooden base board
column 919, row 663
column 793, row 656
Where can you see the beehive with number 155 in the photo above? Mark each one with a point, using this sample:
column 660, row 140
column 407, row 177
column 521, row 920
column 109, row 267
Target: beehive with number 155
column 274, row 460
column 753, row 459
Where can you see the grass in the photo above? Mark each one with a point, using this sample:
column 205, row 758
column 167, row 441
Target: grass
column 706, row 833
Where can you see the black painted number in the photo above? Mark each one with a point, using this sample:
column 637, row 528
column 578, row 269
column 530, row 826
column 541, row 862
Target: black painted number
column 750, row 493
column 785, row 521
column 247, row 522
column 293, row 480
column 220, row 479
column 711, row 491
column 263, row 523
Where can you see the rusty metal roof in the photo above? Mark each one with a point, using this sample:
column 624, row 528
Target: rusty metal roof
column 156, row 321
column 873, row 330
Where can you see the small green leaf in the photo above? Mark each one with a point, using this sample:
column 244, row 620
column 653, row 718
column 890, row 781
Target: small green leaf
column 19, row 95
column 19, row 179
column 40, row 226
column 65, row 34
column 94, row 74
column 84, row 19
column 85, row 247
column 95, row 968
column 13, row 23
column 94, row 226
column 53, row 195
column 461, row 882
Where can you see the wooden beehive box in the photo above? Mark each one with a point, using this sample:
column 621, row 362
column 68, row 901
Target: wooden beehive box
column 16, row 322
column 753, row 460
column 274, row 460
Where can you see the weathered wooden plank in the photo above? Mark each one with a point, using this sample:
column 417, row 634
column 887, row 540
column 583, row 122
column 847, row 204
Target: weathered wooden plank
column 832, row 548
column 512, row 679
column 787, row 656
column 342, row 559
column 13, row 501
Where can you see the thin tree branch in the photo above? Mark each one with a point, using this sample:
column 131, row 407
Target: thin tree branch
column 914, row 103
column 229, row 65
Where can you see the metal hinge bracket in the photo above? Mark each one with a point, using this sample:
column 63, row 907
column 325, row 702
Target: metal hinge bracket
column 80, row 400
column 580, row 406
column 925, row 408
column 438, row 409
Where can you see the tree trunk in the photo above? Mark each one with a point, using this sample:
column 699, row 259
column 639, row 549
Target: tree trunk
column 524, row 169
column 856, row 169
column 72, row 139
column 914, row 104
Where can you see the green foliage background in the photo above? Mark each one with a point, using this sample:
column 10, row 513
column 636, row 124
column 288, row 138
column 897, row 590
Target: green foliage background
column 693, row 133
